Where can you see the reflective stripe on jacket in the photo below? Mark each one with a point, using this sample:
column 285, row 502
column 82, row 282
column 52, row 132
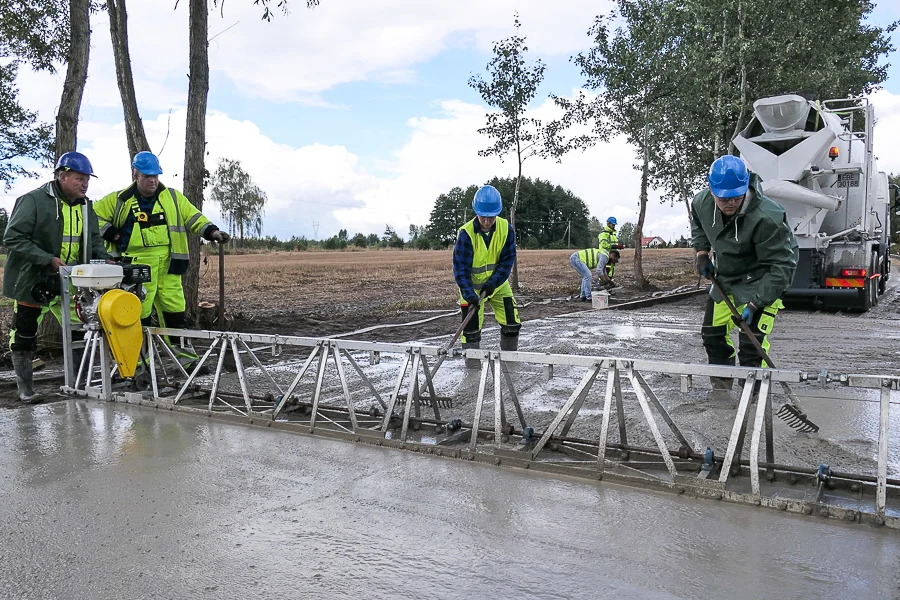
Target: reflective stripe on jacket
column 608, row 240
column 590, row 257
column 484, row 259
column 180, row 216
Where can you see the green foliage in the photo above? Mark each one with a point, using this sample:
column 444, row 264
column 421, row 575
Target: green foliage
column 35, row 31
column 22, row 136
column 450, row 211
column 390, row 239
column 626, row 235
column 359, row 240
column 242, row 203
column 545, row 212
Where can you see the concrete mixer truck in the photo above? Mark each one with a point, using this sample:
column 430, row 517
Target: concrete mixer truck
column 815, row 158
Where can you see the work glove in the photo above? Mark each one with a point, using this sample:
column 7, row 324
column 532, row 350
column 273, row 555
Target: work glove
column 704, row 265
column 620, row 246
column 472, row 298
column 747, row 314
column 220, row 236
column 488, row 289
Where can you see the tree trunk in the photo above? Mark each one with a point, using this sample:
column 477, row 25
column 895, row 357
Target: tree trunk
column 49, row 334
column 118, row 30
column 639, row 278
column 514, row 276
column 742, row 59
column 195, row 139
column 76, row 77
column 719, row 93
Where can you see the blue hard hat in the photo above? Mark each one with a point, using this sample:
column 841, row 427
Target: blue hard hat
column 728, row 177
column 612, row 220
column 146, row 163
column 75, row 161
column 487, row 202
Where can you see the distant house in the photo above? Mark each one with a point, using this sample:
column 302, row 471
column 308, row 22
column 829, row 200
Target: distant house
column 652, row 242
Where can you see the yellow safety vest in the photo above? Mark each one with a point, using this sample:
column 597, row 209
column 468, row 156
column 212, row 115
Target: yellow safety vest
column 610, row 269
column 484, row 259
column 590, row 257
column 608, row 240
column 73, row 225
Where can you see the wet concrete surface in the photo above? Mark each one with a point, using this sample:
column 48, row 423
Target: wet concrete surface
column 105, row 501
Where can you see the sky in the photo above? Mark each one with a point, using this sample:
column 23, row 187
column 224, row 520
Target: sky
column 357, row 114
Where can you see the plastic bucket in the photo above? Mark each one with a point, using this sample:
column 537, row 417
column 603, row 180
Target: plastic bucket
column 600, row 299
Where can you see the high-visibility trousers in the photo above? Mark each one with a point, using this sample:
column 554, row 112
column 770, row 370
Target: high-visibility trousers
column 504, row 305
column 718, row 323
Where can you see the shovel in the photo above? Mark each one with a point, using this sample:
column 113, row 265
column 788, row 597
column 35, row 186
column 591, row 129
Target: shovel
column 790, row 412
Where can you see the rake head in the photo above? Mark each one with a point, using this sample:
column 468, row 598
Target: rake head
column 796, row 418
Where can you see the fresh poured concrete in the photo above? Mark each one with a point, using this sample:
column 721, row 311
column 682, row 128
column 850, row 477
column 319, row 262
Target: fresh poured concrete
column 105, row 501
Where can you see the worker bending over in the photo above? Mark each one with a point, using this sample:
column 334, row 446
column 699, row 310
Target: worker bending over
column 742, row 238
column 589, row 259
column 483, row 258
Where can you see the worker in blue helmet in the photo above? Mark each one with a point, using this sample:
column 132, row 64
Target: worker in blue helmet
column 46, row 230
column 608, row 238
column 742, row 238
column 148, row 223
column 483, row 258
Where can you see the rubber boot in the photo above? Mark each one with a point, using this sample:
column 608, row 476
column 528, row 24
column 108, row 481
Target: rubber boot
column 472, row 363
column 21, row 360
column 509, row 343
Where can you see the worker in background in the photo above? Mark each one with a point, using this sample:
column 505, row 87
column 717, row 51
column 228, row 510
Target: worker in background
column 147, row 223
column 742, row 238
column 606, row 268
column 608, row 238
column 482, row 261
column 44, row 232
column 589, row 259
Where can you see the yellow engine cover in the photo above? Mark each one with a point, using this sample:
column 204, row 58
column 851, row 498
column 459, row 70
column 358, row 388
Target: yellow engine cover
column 120, row 315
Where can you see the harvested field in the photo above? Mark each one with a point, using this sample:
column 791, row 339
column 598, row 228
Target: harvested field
column 325, row 293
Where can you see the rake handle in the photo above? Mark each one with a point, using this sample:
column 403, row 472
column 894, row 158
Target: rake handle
column 446, row 349
column 746, row 328
column 743, row 325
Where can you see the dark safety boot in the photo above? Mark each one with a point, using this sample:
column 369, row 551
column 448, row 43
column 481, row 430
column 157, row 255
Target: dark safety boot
column 509, row 343
column 472, row 363
column 21, row 360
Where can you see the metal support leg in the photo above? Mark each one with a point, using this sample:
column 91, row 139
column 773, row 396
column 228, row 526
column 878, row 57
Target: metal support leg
column 513, row 396
column 620, row 410
column 260, row 366
column 883, row 422
column 151, row 360
column 479, row 404
column 757, row 432
column 738, row 427
column 242, row 379
column 662, row 411
column 645, row 406
column 611, row 373
column 365, row 379
column 340, row 370
column 499, row 413
column 770, row 438
column 430, row 383
column 413, row 393
column 582, row 388
column 286, row 396
column 213, row 393
column 393, row 400
column 105, row 378
column 320, row 380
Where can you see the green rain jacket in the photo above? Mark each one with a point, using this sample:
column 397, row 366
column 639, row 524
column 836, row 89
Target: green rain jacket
column 34, row 235
column 755, row 252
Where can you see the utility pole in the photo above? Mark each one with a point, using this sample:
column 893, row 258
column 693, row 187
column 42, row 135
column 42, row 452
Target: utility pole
column 569, row 230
